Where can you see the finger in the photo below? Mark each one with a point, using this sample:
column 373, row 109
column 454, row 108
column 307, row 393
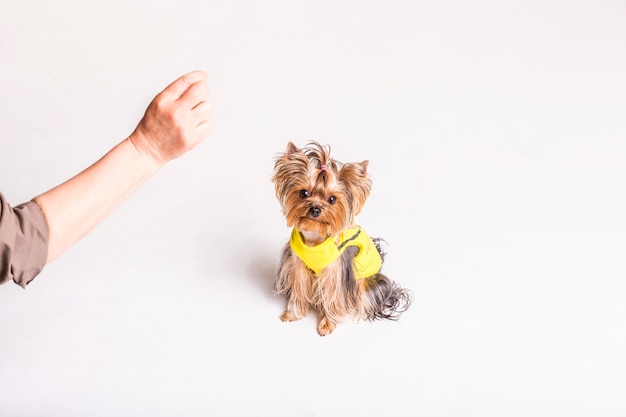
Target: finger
column 203, row 107
column 203, row 130
column 201, row 113
column 198, row 134
column 177, row 88
column 194, row 95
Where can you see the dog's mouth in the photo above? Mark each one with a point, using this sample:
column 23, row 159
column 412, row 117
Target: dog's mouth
column 307, row 220
column 308, row 223
column 311, row 218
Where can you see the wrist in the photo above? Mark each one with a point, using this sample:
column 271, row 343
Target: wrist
column 145, row 155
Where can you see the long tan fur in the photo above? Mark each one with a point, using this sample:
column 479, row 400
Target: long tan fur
column 320, row 198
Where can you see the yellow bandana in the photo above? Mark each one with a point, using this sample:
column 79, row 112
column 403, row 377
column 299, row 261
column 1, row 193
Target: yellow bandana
column 366, row 263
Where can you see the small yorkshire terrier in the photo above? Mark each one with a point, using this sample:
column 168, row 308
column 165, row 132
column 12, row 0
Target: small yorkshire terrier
column 330, row 263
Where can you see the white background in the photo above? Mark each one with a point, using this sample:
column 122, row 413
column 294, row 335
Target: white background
column 496, row 134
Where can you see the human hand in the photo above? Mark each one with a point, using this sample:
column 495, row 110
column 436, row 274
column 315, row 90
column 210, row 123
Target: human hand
column 176, row 120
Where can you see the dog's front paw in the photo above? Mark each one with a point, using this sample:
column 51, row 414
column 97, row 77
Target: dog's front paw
column 289, row 316
column 326, row 327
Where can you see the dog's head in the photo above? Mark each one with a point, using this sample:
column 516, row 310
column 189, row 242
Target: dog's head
column 317, row 193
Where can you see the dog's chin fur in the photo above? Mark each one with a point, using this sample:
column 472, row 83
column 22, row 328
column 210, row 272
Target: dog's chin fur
column 313, row 232
column 309, row 179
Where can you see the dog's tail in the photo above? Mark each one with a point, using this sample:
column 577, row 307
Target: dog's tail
column 386, row 299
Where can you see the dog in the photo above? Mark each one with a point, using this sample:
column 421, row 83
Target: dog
column 330, row 264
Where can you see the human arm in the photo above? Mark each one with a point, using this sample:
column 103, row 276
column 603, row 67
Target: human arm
column 174, row 123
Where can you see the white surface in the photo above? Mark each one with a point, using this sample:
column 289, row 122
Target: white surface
column 496, row 136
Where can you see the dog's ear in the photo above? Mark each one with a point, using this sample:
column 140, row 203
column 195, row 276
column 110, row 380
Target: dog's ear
column 289, row 168
column 357, row 182
column 354, row 171
column 291, row 149
column 362, row 167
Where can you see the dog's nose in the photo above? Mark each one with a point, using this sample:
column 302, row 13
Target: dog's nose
column 315, row 211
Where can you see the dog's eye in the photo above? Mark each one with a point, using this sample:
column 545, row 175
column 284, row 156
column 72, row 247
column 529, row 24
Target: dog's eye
column 332, row 199
column 304, row 193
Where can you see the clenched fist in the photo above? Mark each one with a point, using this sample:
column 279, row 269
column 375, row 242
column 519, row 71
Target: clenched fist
column 176, row 120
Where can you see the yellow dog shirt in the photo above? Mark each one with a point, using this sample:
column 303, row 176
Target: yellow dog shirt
column 366, row 263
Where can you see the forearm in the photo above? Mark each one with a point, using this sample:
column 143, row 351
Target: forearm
column 175, row 121
column 75, row 207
